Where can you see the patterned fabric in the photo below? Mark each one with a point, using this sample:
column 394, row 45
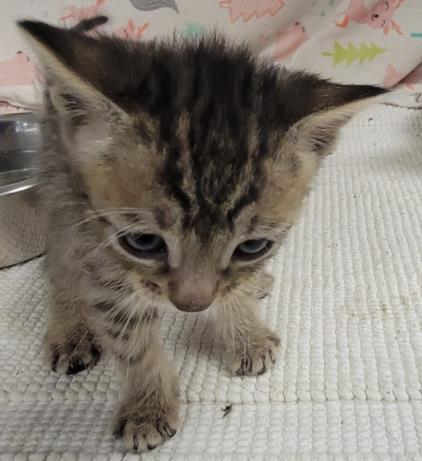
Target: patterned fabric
column 352, row 41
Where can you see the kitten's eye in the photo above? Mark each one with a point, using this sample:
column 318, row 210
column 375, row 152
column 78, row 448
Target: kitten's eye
column 143, row 245
column 252, row 249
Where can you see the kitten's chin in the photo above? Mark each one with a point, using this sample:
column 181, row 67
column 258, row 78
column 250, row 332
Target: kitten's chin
column 191, row 308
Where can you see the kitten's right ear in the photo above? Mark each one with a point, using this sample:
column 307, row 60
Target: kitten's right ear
column 316, row 108
column 72, row 64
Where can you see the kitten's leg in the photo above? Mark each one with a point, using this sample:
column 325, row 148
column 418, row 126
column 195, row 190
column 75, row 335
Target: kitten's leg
column 250, row 346
column 149, row 413
column 71, row 344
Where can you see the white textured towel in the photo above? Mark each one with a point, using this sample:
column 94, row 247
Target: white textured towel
column 347, row 303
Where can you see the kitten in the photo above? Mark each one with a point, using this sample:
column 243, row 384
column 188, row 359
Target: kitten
column 171, row 171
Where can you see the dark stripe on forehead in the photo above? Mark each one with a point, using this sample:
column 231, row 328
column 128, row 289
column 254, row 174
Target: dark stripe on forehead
column 172, row 178
column 246, row 199
column 219, row 90
column 257, row 175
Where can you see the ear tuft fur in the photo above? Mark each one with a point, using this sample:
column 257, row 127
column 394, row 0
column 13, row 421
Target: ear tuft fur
column 72, row 63
column 319, row 108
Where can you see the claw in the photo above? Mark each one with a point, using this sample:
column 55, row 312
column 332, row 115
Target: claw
column 75, row 366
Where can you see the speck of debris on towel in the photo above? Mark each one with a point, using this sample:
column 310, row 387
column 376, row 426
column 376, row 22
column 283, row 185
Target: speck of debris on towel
column 227, row 409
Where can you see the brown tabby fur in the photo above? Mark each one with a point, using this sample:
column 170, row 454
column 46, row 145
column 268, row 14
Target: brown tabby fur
column 198, row 142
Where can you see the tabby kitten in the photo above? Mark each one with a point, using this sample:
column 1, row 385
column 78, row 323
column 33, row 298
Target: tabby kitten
column 171, row 171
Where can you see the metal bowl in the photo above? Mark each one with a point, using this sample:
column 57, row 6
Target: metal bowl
column 22, row 222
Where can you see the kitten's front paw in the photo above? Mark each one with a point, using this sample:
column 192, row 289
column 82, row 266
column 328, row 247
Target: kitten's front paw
column 74, row 355
column 147, row 427
column 255, row 354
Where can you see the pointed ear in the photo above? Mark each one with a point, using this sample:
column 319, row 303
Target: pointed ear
column 323, row 108
column 74, row 67
column 319, row 132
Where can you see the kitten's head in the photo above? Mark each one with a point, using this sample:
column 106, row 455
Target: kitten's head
column 204, row 153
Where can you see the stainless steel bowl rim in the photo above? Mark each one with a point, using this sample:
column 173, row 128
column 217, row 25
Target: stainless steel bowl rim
column 16, row 187
column 27, row 118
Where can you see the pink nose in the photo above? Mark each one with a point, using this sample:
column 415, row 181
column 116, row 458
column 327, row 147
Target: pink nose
column 192, row 294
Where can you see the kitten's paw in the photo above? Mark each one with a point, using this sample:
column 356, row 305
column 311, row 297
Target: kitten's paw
column 76, row 354
column 256, row 354
column 146, row 428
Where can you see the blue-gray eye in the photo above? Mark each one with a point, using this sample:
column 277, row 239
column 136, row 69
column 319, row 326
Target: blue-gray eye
column 252, row 249
column 143, row 245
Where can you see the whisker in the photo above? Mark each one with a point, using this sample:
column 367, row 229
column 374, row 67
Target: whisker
column 96, row 214
column 109, row 240
column 128, row 321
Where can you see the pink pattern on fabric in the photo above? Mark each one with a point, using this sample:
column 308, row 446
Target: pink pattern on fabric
column 392, row 77
column 413, row 78
column 380, row 16
column 77, row 14
column 19, row 70
column 132, row 31
column 289, row 40
column 247, row 9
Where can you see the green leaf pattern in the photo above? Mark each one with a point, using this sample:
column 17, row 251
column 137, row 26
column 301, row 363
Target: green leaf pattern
column 348, row 55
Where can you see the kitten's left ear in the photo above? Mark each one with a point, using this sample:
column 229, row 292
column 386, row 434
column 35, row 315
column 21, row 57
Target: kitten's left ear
column 321, row 108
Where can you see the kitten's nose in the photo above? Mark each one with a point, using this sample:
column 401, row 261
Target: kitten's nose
column 192, row 294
